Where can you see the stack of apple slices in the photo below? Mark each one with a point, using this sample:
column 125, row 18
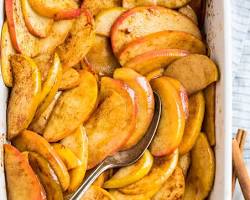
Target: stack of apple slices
column 81, row 80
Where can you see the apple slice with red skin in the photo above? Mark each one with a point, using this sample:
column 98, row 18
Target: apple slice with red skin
column 155, row 59
column 79, row 40
column 113, row 122
column 161, row 40
column 145, row 99
column 22, row 182
column 141, row 21
column 22, row 40
column 37, row 25
column 50, row 8
column 171, row 128
column 68, row 14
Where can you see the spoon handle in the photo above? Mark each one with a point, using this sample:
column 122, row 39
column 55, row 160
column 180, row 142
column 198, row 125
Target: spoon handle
column 103, row 166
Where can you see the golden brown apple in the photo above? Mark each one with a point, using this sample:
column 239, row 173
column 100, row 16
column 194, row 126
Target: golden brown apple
column 145, row 99
column 22, row 182
column 115, row 113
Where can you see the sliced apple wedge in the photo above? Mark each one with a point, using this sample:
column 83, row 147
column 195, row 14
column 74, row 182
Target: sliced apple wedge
column 31, row 141
column 105, row 19
column 70, row 79
column 161, row 170
column 39, row 123
column 49, row 8
column 140, row 21
column 7, row 51
column 173, row 188
column 193, row 123
column 195, row 72
column 116, row 112
column 57, row 36
column 54, row 74
column 145, row 99
column 78, row 143
column 209, row 118
column 67, row 156
column 36, row 24
column 22, row 183
column 201, row 173
column 171, row 129
column 95, row 6
column 189, row 12
column 102, row 62
column 97, row 193
column 128, row 175
column 22, row 40
column 25, row 94
column 161, row 40
column 79, row 42
column 73, row 108
column 46, row 175
column 154, row 60
column 183, row 95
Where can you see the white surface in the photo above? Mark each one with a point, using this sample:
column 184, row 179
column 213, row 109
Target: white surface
column 218, row 31
column 241, row 74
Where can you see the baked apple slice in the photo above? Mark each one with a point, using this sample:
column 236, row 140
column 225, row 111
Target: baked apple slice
column 46, row 175
column 7, row 51
column 49, row 8
column 68, row 14
column 195, row 72
column 58, row 33
column 154, row 60
column 102, row 62
column 201, row 173
column 95, row 6
column 161, row 40
column 189, row 12
column 73, row 108
column 31, row 141
column 209, row 118
column 172, row 3
column 36, row 24
column 115, row 113
column 171, row 129
column 22, row 182
column 161, row 170
column 145, row 102
column 155, row 74
column 193, row 123
column 128, row 175
column 70, row 79
column 39, row 123
column 22, row 40
column 25, row 94
column 79, row 41
column 67, row 156
column 184, row 163
column 78, row 143
column 173, row 188
column 141, row 21
column 105, row 19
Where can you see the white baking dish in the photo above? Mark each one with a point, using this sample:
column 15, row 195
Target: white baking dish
column 218, row 30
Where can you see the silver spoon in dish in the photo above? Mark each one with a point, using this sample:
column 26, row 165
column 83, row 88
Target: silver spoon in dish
column 123, row 158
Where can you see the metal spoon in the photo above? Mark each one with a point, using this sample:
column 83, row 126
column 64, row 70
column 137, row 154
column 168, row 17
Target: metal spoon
column 123, row 158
